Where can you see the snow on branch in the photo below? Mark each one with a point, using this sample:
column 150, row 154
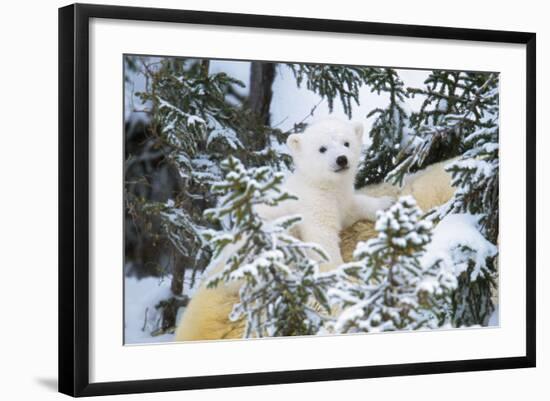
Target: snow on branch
column 387, row 287
column 456, row 105
column 279, row 273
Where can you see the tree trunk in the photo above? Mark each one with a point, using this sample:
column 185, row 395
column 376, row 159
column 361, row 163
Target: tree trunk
column 178, row 274
column 205, row 65
column 262, row 76
column 169, row 312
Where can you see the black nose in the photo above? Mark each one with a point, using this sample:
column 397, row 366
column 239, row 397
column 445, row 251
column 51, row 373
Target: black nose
column 342, row 161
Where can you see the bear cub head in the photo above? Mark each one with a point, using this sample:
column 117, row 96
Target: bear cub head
column 328, row 151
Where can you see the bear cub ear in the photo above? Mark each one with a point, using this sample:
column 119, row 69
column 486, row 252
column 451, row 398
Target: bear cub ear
column 293, row 142
column 358, row 129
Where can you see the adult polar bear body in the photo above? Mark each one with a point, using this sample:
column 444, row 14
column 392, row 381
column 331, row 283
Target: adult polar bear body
column 325, row 159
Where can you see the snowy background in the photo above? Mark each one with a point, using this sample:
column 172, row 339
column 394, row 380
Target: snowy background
column 290, row 105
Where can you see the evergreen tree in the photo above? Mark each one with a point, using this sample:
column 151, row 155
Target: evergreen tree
column 455, row 106
column 196, row 120
column 476, row 176
column 332, row 82
column 387, row 288
column 280, row 278
column 459, row 116
column 471, row 300
column 390, row 128
column 193, row 126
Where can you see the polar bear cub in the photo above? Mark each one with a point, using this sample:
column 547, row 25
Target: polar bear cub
column 326, row 157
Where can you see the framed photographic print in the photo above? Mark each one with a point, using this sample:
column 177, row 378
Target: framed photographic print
column 249, row 199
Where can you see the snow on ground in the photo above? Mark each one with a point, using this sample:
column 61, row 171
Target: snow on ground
column 494, row 319
column 140, row 315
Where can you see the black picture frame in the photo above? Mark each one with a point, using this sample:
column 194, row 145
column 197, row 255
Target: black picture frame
column 74, row 198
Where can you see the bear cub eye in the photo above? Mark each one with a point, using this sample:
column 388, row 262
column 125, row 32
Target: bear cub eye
column 322, row 149
column 346, row 144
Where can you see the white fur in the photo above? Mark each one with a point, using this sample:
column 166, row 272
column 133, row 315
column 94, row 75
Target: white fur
column 327, row 200
column 327, row 203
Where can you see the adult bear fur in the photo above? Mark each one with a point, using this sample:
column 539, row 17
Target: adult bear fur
column 207, row 315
